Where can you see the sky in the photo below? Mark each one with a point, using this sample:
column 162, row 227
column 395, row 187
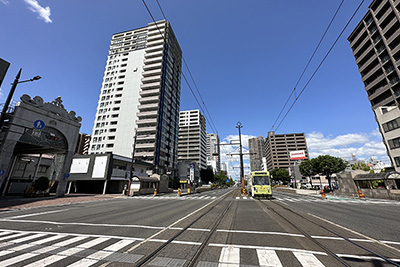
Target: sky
column 246, row 58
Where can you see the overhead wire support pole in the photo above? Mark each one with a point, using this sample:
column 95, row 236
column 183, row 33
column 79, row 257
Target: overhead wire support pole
column 239, row 126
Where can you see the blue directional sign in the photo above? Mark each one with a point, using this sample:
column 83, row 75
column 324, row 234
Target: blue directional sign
column 2, row 172
column 66, row 175
column 227, row 180
column 39, row 124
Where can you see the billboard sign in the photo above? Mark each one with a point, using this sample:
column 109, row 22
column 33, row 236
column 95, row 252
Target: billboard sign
column 296, row 155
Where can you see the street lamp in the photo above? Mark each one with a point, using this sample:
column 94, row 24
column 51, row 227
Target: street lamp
column 11, row 93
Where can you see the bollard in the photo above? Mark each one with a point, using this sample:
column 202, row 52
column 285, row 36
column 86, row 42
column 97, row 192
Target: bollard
column 155, row 191
column 179, row 192
column 323, row 195
column 188, row 190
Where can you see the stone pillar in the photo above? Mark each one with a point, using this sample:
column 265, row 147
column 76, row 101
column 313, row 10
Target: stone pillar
column 63, row 181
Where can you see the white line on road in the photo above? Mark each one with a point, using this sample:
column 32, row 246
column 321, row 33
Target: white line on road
column 267, row 257
column 230, row 256
column 178, row 221
column 383, row 243
column 307, row 259
column 32, row 214
column 269, row 248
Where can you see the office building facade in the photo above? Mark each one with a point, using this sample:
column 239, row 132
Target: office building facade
column 277, row 149
column 376, row 47
column 213, row 152
column 140, row 97
column 256, row 150
column 192, row 145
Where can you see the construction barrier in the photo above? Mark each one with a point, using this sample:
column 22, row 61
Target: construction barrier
column 155, row 191
column 360, row 194
column 323, row 195
column 179, row 192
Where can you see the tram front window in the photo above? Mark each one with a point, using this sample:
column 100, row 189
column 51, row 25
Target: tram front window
column 261, row 180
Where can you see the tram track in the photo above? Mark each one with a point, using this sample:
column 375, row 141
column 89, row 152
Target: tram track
column 195, row 257
column 327, row 250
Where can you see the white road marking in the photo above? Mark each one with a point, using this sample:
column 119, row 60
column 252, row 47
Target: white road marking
column 93, row 242
column 5, row 233
column 12, row 236
column 46, row 261
column 267, row 257
column 230, row 257
column 383, row 243
column 83, row 263
column 119, row 245
column 307, row 259
column 17, row 259
column 27, row 238
column 269, row 248
column 178, row 221
column 32, row 214
column 49, row 239
column 258, row 233
column 364, row 257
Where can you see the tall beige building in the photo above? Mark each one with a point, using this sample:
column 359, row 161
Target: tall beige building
column 278, row 147
column 192, row 146
column 256, row 150
column 140, row 97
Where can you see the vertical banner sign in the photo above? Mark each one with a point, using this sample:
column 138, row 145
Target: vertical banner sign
column 191, row 172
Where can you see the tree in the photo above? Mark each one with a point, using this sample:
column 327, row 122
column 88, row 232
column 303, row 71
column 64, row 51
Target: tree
column 280, row 175
column 328, row 165
column 207, row 175
column 306, row 169
column 220, row 178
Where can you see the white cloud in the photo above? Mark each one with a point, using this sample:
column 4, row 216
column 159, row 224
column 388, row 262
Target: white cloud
column 4, row 2
column 363, row 145
column 43, row 12
column 233, row 161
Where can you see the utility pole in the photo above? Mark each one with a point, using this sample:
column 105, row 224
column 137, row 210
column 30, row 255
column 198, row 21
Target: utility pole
column 239, row 126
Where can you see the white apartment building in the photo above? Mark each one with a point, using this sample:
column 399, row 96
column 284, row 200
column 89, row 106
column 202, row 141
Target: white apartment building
column 213, row 152
column 388, row 119
column 140, row 97
column 192, row 145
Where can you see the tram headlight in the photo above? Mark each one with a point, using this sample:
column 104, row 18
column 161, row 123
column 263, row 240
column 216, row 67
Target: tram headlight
column 255, row 189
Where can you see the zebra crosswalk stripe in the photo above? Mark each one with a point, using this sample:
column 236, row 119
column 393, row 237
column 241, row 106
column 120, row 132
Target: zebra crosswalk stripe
column 230, row 256
column 268, row 257
column 307, row 259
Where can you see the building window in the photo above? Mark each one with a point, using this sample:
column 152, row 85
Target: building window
column 391, row 125
column 394, row 143
column 110, row 145
column 397, row 161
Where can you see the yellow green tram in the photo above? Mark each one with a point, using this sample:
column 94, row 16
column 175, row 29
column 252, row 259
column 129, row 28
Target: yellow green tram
column 261, row 184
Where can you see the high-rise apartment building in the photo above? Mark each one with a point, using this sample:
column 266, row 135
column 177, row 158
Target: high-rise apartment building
column 277, row 149
column 82, row 146
column 192, row 145
column 256, row 150
column 376, row 47
column 213, row 152
column 140, row 97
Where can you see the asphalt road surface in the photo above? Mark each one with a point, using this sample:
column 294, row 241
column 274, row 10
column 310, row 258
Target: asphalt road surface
column 214, row 228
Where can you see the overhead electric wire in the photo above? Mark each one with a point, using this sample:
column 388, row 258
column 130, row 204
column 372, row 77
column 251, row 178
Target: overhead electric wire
column 320, row 64
column 212, row 125
column 308, row 63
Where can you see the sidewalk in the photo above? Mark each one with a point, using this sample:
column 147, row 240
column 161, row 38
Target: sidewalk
column 18, row 202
